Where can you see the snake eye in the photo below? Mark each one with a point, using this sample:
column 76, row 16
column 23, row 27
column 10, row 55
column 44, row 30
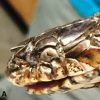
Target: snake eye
column 48, row 54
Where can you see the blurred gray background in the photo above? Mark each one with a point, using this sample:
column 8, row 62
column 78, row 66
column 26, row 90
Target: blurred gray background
column 49, row 13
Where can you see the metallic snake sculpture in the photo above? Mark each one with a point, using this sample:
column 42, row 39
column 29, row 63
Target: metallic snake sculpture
column 62, row 59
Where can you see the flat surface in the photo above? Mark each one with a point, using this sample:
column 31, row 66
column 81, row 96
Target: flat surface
column 10, row 35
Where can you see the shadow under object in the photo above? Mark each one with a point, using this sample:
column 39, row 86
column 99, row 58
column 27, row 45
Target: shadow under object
column 15, row 16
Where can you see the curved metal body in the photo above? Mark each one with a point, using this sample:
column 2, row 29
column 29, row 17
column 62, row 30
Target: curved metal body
column 61, row 59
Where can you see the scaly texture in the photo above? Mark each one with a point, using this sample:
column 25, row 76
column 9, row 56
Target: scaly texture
column 61, row 59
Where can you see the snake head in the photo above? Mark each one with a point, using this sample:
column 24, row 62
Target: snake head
column 61, row 59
